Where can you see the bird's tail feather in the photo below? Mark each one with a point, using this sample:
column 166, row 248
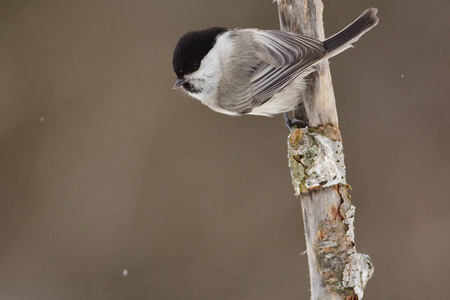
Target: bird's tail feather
column 350, row 34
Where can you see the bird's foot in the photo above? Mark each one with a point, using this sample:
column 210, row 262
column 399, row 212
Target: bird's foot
column 290, row 123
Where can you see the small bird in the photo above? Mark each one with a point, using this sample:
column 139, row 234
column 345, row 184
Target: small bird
column 252, row 71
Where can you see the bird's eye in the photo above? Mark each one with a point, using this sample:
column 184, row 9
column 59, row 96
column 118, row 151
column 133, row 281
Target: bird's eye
column 195, row 67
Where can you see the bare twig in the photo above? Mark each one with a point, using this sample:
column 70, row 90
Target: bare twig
column 316, row 160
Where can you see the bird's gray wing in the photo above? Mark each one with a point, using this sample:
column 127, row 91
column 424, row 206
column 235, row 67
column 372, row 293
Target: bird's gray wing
column 284, row 56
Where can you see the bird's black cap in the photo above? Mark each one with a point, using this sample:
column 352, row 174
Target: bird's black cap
column 192, row 47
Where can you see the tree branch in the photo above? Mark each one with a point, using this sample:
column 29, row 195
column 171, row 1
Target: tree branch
column 317, row 166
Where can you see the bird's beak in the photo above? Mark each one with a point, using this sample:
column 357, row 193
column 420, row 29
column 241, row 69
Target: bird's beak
column 178, row 83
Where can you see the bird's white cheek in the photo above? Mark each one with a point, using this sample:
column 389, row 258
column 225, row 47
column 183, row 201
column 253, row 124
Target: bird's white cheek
column 209, row 75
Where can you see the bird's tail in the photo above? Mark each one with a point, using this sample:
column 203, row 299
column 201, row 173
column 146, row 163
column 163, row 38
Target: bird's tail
column 350, row 34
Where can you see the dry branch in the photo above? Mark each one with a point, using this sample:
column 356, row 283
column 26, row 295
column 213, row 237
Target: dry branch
column 316, row 161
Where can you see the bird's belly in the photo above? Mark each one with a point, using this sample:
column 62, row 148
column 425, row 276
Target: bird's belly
column 285, row 100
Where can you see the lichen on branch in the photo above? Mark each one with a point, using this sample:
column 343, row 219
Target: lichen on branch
column 315, row 160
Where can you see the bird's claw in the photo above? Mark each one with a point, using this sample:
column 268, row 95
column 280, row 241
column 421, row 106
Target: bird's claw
column 290, row 123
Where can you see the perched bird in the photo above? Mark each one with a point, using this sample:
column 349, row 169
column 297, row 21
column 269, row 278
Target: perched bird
column 252, row 71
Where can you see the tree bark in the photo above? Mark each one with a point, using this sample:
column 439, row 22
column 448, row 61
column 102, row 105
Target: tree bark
column 317, row 166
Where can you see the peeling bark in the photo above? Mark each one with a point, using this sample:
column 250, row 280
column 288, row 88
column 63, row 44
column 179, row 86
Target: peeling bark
column 316, row 160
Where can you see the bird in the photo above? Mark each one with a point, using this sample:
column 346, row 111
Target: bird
column 253, row 71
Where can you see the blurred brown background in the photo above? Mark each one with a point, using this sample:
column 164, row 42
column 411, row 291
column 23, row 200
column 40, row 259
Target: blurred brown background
column 105, row 168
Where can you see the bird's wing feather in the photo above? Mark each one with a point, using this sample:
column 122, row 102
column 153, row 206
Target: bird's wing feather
column 284, row 56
